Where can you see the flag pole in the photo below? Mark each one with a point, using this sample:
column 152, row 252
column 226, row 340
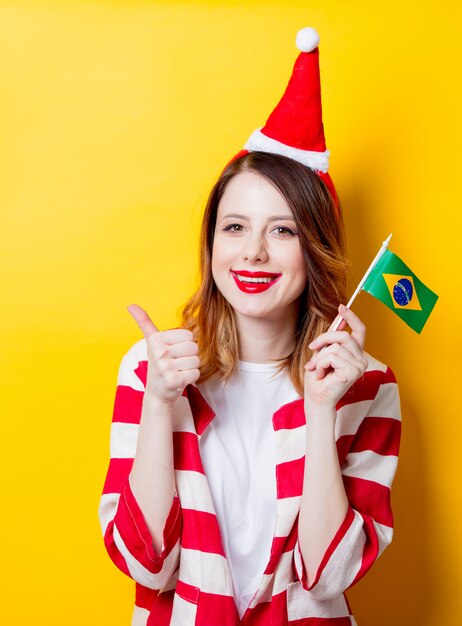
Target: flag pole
column 363, row 279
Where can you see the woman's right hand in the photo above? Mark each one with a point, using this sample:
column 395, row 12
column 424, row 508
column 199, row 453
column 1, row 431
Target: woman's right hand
column 172, row 358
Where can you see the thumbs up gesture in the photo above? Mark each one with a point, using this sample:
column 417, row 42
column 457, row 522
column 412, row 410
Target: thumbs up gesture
column 172, row 358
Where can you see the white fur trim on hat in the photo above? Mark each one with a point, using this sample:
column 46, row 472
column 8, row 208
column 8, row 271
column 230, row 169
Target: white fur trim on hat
column 315, row 160
column 307, row 39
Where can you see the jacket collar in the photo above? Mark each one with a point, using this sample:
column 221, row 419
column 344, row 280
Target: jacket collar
column 287, row 416
column 201, row 411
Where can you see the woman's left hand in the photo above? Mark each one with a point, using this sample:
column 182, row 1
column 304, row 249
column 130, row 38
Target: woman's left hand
column 338, row 361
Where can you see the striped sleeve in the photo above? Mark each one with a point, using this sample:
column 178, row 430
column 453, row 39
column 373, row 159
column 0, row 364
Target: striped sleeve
column 126, row 535
column 368, row 471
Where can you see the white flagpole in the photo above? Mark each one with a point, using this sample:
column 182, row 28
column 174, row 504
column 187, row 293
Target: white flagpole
column 363, row 279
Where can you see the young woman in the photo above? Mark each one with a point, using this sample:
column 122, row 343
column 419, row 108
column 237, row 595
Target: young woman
column 253, row 449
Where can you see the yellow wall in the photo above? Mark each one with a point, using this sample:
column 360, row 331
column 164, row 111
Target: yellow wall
column 116, row 116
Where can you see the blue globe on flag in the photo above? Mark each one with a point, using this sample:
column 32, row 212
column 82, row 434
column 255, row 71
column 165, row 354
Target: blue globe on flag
column 403, row 292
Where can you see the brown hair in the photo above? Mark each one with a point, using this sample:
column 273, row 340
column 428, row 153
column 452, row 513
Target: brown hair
column 322, row 239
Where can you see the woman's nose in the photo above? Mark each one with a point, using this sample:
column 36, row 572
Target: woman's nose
column 255, row 250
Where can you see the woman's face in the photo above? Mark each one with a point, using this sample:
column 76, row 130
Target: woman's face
column 257, row 261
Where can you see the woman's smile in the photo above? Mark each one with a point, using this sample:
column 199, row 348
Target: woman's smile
column 254, row 282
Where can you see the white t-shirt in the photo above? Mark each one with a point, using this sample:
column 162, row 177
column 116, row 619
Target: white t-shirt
column 237, row 453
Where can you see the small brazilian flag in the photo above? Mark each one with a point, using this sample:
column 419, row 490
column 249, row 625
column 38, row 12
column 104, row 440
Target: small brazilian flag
column 393, row 283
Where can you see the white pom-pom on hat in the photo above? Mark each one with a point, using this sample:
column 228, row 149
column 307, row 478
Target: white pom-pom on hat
column 307, row 39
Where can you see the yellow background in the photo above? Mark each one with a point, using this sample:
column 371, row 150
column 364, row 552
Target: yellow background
column 116, row 117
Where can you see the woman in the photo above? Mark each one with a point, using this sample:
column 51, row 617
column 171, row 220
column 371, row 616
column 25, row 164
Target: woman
column 253, row 448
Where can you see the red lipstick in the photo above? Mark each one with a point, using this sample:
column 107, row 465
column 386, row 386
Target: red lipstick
column 255, row 287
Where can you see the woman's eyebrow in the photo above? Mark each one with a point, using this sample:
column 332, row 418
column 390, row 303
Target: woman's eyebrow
column 274, row 218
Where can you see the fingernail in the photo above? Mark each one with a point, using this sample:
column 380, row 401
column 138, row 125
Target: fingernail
column 342, row 308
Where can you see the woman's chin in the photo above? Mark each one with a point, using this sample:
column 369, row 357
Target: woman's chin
column 259, row 312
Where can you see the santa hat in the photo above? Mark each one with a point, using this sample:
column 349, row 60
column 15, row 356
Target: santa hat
column 294, row 129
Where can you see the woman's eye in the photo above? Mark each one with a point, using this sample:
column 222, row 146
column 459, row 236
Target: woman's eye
column 283, row 230
column 233, row 228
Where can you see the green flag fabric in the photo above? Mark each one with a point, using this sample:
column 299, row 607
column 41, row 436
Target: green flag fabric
column 393, row 283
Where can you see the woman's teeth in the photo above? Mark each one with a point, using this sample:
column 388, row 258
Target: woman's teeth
column 247, row 279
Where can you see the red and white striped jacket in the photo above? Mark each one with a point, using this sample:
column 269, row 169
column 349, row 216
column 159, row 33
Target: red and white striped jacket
column 189, row 582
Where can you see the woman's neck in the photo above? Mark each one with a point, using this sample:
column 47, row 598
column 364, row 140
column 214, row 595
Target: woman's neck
column 262, row 340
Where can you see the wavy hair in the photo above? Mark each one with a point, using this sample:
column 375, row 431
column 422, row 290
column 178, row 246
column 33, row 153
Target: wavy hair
column 322, row 239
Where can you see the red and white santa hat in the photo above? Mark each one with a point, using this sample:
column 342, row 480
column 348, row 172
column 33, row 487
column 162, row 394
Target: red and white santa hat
column 295, row 129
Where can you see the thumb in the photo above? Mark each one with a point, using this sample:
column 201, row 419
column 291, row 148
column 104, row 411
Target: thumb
column 143, row 320
column 342, row 324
